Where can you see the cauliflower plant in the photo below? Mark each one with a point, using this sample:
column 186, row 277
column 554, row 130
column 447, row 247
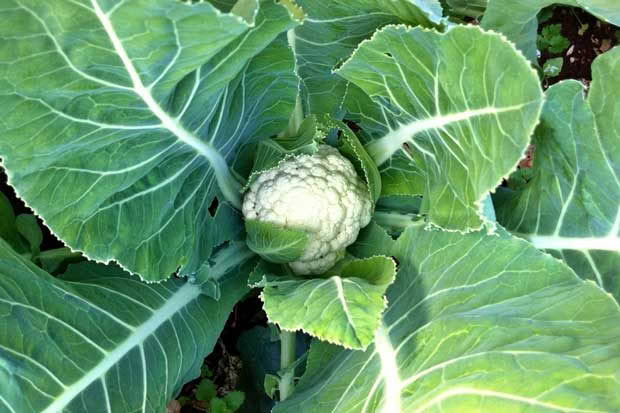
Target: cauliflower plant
column 321, row 194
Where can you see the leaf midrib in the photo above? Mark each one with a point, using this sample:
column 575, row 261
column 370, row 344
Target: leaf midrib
column 173, row 125
column 180, row 299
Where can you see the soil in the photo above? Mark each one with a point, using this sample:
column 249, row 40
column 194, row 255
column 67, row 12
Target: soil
column 224, row 361
column 588, row 37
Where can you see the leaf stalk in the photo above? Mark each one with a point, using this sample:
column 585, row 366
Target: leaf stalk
column 287, row 358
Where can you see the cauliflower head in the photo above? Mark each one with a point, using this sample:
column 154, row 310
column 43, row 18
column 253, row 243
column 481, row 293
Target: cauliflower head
column 319, row 193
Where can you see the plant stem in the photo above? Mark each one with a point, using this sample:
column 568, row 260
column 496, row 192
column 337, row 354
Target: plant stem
column 234, row 255
column 297, row 116
column 382, row 149
column 57, row 253
column 397, row 222
column 287, row 358
column 230, row 187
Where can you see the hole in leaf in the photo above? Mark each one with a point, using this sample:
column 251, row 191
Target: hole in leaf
column 213, row 207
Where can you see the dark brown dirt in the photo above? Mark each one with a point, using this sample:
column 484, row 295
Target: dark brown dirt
column 245, row 315
column 224, row 361
column 588, row 37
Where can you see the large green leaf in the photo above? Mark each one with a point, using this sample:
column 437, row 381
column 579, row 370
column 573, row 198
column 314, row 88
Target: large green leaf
column 475, row 323
column 517, row 19
column 121, row 117
column 571, row 204
column 330, row 34
column 99, row 340
column 343, row 308
column 453, row 114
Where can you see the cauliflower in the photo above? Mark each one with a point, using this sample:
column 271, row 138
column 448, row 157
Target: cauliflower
column 321, row 194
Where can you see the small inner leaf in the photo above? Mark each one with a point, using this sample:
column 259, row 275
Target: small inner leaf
column 350, row 147
column 275, row 243
column 343, row 308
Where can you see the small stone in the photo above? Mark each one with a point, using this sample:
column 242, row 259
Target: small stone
column 605, row 45
column 174, row 407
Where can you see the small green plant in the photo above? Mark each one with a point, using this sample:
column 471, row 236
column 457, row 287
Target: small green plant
column 23, row 233
column 551, row 39
column 553, row 67
column 206, row 395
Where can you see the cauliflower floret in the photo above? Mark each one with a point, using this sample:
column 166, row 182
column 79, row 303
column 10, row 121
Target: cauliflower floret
column 321, row 194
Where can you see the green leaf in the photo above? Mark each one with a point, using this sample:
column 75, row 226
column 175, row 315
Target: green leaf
column 228, row 261
column 307, row 139
column 400, row 177
column 397, row 212
column 268, row 153
column 551, row 39
column 7, row 216
column 517, row 19
column 28, row 227
column 184, row 401
column 469, row 8
column 275, row 243
column 218, row 406
column 246, row 9
column 57, row 259
column 8, row 229
column 271, row 385
column 445, row 103
column 344, row 308
column 553, row 67
column 351, row 148
column 206, row 390
column 475, row 323
column 571, row 205
column 122, row 148
column 98, row 337
column 330, row 34
column 400, row 203
column 205, row 372
column 234, row 400
column 372, row 240
column 396, row 222
column 260, row 355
